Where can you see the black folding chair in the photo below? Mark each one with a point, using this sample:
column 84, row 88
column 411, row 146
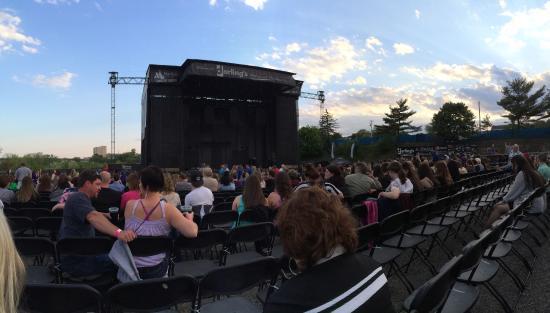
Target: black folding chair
column 146, row 246
column 48, row 226
column 21, row 226
column 258, row 214
column 34, row 213
column 152, row 295
column 204, row 252
column 222, row 219
column 54, row 298
column 260, row 233
column 223, row 206
column 234, row 280
column 39, row 254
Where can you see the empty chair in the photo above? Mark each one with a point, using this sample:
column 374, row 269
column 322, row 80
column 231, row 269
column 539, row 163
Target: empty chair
column 35, row 213
column 203, row 250
column 53, row 298
column 38, row 254
column 223, row 206
column 260, row 233
column 21, row 226
column 152, row 295
column 48, row 226
column 222, row 219
column 233, row 280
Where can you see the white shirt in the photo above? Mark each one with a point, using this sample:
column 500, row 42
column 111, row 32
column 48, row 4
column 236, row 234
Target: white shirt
column 407, row 187
column 199, row 196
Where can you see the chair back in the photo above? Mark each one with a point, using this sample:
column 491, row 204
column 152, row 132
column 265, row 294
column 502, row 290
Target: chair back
column 366, row 235
column 21, row 226
column 431, row 296
column 418, row 214
column 50, row 224
column 205, row 239
column 147, row 246
column 359, row 211
column 57, row 298
column 223, row 206
column 257, row 214
column 84, row 246
column 393, row 224
column 151, row 294
column 34, row 246
column 35, row 213
column 250, row 233
column 222, row 219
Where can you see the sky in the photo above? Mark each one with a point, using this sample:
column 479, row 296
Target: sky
column 55, row 56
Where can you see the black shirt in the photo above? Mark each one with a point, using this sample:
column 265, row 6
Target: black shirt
column 106, row 198
column 349, row 282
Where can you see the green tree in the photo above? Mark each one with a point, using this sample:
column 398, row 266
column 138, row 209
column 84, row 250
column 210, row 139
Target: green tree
column 310, row 142
column 486, row 123
column 397, row 121
column 327, row 128
column 454, row 121
column 523, row 108
column 362, row 133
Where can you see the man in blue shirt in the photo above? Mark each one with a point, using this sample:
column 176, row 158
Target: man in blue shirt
column 81, row 220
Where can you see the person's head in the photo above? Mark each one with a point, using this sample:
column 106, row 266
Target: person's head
column 395, row 170
column 151, row 179
column 443, row 173
column 293, row 175
column 425, row 171
column 515, row 148
column 89, row 183
column 63, row 182
column 252, row 192
column 26, row 192
column 283, row 185
column 384, row 167
column 169, row 186
column 410, row 171
column 312, row 223
column 195, row 177
column 333, row 171
column 23, row 164
column 377, row 171
column 12, row 270
column 4, row 181
column 207, row 172
column 543, row 158
column 105, row 179
column 226, row 179
column 74, row 181
column 361, row 168
column 116, row 177
column 44, row 183
column 312, row 174
column 132, row 181
column 532, row 177
column 183, row 177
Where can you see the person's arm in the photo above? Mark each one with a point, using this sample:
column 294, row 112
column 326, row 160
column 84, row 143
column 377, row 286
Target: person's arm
column 102, row 224
column 271, row 200
column 516, row 189
column 235, row 203
column 182, row 222
column 392, row 194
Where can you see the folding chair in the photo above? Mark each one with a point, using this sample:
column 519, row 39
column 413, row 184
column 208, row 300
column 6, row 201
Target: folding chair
column 146, row 246
column 34, row 213
column 234, row 280
column 152, row 295
column 221, row 219
column 259, row 233
column 37, row 250
column 48, row 226
column 54, row 298
column 21, row 226
column 204, row 251
column 223, row 206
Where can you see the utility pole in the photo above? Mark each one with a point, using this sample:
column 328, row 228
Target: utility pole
column 370, row 128
column 479, row 115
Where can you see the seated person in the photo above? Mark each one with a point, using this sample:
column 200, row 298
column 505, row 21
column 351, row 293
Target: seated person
column 7, row 196
column 388, row 201
column 527, row 180
column 107, row 197
column 200, row 195
column 27, row 194
column 169, row 193
column 152, row 217
column 252, row 197
column 81, row 220
column 318, row 232
column 117, row 184
column 313, row 178
column 62, row 185
column 226, row 183
column 362, row 181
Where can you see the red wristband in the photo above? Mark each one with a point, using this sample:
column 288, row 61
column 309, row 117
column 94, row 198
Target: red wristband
column 117, row 232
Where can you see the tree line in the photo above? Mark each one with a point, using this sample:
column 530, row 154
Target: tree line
column 453, row 122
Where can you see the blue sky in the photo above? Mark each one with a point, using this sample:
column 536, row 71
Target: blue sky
column 55, row 55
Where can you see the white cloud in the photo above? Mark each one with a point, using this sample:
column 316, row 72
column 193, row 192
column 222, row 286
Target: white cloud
column 319, row 65
column 11, row 33
column 28, row 49
column 212, row 2
column 359, row 80
column 530, row 26
column 402, row 48
column 61, row 81
column 255, row 4
column 292, row 47
column 271, row 38
column 98, row 6
column 502, row 4
column 56, row 2
column 485, row 73
column 374, row 44
column 417, row 14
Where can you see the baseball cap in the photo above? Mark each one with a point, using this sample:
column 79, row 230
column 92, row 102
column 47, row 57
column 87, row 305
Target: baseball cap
column 195, row 175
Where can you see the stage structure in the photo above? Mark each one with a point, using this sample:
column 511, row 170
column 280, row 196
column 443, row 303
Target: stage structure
column 215, row 112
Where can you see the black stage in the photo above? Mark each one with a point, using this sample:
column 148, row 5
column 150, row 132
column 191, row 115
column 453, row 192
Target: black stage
column 215, row 112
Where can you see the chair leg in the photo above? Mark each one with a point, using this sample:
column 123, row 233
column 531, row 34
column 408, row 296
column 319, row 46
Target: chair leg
column 498, row 297
column 402, row 277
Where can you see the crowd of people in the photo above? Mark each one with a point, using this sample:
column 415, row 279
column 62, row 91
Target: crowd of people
column 307, row 204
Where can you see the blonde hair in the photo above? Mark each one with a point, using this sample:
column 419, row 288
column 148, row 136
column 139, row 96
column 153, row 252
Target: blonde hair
column 27, row 192
column 12, row 270
column 168, row 184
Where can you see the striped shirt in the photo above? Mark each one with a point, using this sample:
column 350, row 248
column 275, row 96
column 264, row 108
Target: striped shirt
column 330, row 188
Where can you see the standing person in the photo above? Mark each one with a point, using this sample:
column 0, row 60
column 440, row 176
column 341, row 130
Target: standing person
column 318, row 232
column 12, row 270
column 133, row 193
column 81, row 220
column 283, row 189
column 169, row 193
column 152, row 216
column 7, row 196
column 22, row 172
column 107, row 197
column 208, row 180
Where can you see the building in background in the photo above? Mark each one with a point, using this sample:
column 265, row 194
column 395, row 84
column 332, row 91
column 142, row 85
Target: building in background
column 101, row 150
